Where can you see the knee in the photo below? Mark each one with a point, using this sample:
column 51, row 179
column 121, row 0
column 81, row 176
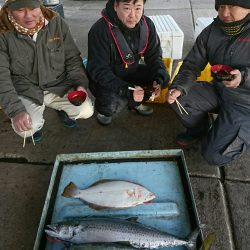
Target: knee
column 86, row 112
column 214, row 157
column 210, row 158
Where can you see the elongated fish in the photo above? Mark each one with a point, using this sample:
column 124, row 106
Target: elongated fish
column 117, row 231
column 101, row 246
column 110, row 194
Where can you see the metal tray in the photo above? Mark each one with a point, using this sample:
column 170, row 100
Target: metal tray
column 163, row 172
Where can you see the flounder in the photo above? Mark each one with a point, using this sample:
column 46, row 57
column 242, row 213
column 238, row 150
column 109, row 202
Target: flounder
column 110, row 194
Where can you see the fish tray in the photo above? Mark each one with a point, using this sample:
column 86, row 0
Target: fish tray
column 163, row 172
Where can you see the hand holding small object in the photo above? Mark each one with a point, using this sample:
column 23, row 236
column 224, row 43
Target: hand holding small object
column 172, row 96
column 22, row 122
column 236, row 79
column 138, row 93
column 157, row 89
column 25, row 136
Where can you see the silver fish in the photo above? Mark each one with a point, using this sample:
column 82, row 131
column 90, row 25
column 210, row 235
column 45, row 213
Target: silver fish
column 100, row 246
column 117, row 231
column 110, row 194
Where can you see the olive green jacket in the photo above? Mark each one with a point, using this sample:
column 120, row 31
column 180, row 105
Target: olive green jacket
column 27, row 68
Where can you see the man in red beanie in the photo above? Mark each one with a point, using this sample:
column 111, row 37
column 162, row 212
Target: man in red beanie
column 39, row 64
column 225, row 42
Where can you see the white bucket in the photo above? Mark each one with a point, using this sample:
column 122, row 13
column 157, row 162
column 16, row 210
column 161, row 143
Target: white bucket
column 51, row 2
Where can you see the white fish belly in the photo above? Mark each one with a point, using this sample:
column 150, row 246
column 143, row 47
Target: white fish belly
column 114, row 194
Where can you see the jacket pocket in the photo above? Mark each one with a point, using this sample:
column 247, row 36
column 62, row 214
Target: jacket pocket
column 56, row 54
column 239, row 145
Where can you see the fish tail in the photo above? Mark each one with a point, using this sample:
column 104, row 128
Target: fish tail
column 191, row 243
column 71, row 190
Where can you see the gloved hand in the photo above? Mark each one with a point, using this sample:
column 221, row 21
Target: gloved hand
column 22, row 122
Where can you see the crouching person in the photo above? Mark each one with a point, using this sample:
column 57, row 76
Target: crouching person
column 225, row 45
column 124, row 60
column 39, row 65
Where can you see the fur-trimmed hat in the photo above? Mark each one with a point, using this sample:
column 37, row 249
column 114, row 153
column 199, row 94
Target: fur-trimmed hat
column 241, row 3
column 17, row 4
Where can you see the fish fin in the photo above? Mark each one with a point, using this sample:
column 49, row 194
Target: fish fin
column 132, row 219
column 125, row 243
column 97, row 207
column 207, row 242
column 191, row 243
column 100, row 182
column 70, row 190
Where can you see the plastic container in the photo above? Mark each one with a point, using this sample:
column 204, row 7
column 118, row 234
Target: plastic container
column 204, row 77
column 163, row 172
column 51, row 2
column 77, row 97
column 168, row 62
column 200, row 24
column 170, row 34
column 222, row 72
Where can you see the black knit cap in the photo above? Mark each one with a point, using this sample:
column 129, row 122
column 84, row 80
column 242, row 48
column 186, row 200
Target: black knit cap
column 241, row 3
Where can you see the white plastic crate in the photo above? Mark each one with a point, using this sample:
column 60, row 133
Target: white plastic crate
column 170, row 34
column 201, row 23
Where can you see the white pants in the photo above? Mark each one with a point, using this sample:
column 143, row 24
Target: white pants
column 84, row 111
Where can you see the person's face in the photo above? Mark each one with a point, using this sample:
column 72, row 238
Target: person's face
column 27, row 17
column 232, row 13
column 129, row 13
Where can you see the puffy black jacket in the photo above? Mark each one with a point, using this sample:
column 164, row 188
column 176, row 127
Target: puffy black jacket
column 213, row 46
column 105, row 67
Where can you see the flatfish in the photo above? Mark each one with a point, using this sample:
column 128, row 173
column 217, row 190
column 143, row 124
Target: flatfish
column 110, row 194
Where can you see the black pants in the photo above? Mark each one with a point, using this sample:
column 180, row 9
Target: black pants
column 229, row 136
column 109, row 103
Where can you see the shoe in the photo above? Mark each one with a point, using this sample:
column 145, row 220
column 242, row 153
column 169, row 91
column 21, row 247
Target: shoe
column 185, row 139
column 103, row 119
column 143, row 110
column 37, row 136
column 67, row 122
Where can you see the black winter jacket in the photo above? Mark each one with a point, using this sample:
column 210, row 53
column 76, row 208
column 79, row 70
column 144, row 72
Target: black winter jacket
column 213, row 46
column 105, row 67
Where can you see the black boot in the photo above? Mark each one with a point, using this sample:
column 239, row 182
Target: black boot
column 67, row 122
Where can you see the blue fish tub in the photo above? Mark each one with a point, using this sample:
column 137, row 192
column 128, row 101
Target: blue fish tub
column 163, row 172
